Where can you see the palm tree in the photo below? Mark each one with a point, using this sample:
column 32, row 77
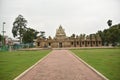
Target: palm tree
column 109, row 22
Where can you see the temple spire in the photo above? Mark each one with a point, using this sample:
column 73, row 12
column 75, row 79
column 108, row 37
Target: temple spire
column 60, row 34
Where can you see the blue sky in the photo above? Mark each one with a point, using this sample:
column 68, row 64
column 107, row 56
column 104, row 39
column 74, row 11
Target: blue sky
column 76, row 16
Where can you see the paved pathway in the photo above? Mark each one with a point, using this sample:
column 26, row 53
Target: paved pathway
column 60, row 65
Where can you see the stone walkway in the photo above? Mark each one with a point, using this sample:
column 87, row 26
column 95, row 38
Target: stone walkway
column 60, row 65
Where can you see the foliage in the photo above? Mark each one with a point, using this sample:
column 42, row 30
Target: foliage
column 19, row 27
column 109, row 22
column 0, row 37
column 29, row 35
column 110, row 35
column 106, row 61
column 14, row 63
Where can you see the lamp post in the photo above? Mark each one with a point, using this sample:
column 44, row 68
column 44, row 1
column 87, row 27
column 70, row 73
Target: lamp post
column 3, row 33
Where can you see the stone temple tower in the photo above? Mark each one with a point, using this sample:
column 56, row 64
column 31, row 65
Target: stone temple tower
column 61, row 40
column 60, row 33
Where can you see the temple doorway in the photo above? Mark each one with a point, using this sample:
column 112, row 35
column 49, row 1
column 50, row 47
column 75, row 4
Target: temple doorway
column 60, row 45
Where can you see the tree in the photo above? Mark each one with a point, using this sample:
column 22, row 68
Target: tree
column 29, row 35
column 100, row 33
column 114, row 35
column 19, row 27
column 110, row 35
column 0, row 37
column 109, row 22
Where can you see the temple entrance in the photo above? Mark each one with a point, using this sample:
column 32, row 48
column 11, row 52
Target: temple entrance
column 60, row 45
column 38, row 43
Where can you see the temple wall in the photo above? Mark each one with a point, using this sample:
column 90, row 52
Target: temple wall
column 61, row 40
column 56, row 44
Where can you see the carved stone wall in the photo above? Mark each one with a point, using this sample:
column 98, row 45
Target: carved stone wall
column 60, row 40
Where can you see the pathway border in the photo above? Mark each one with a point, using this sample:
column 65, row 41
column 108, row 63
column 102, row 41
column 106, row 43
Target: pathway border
column 93, row 69
column 23, row 73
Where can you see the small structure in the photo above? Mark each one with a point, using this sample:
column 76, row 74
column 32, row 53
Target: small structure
column 61, row 40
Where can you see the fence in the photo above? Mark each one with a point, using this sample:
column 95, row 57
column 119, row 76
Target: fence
column 16, row 46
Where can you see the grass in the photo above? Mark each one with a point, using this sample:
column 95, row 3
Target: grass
column 14, row 63
column 106, row 61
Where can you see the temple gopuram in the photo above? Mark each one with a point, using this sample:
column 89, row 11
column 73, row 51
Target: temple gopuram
column 61, row 40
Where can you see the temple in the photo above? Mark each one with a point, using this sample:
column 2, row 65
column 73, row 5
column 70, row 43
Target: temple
column 61, row 40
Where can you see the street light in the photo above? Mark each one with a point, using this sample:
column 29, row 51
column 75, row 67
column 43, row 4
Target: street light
column 3, row 33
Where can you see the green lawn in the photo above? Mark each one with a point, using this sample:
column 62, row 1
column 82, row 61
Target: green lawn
column 14, row 63
column 106, row 61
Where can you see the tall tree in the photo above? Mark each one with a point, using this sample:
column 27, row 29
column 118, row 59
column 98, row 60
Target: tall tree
column 109, row 22
column 110, row 35
column 19, row 27
column 29, row 35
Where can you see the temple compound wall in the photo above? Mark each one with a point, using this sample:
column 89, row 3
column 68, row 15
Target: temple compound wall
column 61, row 40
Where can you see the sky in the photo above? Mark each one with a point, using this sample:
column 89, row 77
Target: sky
column 75, row 16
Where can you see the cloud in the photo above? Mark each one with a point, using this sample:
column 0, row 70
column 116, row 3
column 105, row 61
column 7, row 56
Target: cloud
column 76, row 16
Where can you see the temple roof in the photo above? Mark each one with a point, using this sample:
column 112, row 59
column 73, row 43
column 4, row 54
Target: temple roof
column 60, row 33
